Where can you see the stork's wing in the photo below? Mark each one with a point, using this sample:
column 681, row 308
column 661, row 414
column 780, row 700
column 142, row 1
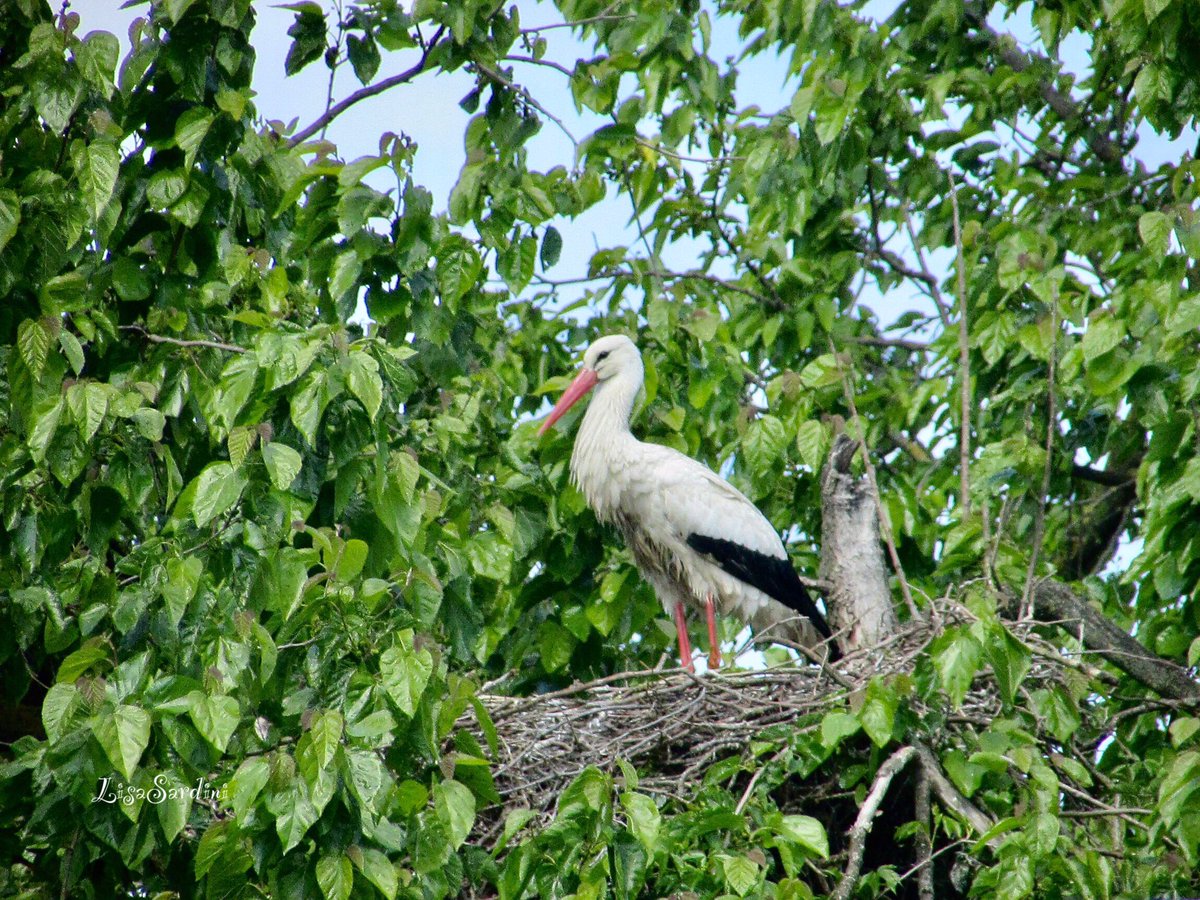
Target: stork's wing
column 716, row 520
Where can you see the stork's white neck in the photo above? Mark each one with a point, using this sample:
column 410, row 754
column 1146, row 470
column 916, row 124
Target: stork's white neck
column 604, row 441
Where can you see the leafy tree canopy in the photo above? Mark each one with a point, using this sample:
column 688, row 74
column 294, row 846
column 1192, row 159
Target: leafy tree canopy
column 250, row 543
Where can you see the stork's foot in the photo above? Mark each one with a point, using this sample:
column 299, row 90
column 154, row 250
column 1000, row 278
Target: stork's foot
column 714, row 646
column 685, row 645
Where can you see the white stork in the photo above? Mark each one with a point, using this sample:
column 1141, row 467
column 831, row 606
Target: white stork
column 695, row 537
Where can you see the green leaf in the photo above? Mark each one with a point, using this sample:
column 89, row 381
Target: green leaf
column 283, row 464
column 1009, row 660
column 806, row 831
column 1103, row 334
column 173, row 801
column 240, row 442
column 97, row 57
column 93, row 651
column 362, row 377
column 33, row 340
column 765, row 445
column 836, row 726
column 343, row 277
column 124, row 735
column 246, row 784
column 61, row 703
column 45, row 423
column 552, row 245
column 556, row 644
column 458, row 270
column 176, row 9
column 378, row 870
column 88, row 402
column 1181, row 781
column 812, row 443
column 956, row 656
column 10, row 216
column 297, row 816
column 335, row 877
column 308, row 33
column 1155, row 230
column 516, row 264
column 364, row 57
column 351, row 559
column 72, row 350
column 183, row 578
column 326, row 734
column 741, row 874
column 98, row 176
column 217, row 488
column 405, row 672
column 216, row 718
column 454, row 805
column 644, row 818
column 149, row 423
column 878, row 712
column 55, row 98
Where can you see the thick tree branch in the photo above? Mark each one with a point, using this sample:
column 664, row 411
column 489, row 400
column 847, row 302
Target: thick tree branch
column 1101, row 476
column 1056, row 603
column 859, row 604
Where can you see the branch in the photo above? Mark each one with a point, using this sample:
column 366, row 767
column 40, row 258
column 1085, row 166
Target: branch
column 860, row 603
column 548, row 63
column 885, row 524
column 1062, row 104
column 578, row 23
column 1101, row 476
column 902, row 343
column 177, row 342
column 1039, row 521
column 862, row 824
column 950, row 796
column 367, row 92
column 964, row 361
column 1055, row 602
column 502, row 80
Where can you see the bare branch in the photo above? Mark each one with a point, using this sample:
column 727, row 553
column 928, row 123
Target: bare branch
column 862, row 824
column 370, row 90
column 950, row 796
column 178, row 342
column 964, row 362
column 902, row 343
column 1039, row 521
column 579, row 23
column 547, row 63
column 1054, row 601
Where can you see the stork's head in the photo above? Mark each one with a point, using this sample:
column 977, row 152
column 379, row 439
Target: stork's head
column 607, row 358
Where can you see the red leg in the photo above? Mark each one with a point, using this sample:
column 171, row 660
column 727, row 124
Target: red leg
column 714, row 646
column 685, row 646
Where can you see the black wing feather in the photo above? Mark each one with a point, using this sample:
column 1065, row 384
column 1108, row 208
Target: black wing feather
column 773, row 576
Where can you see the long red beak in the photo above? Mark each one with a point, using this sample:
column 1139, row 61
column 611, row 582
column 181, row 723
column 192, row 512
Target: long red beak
column 584, row 382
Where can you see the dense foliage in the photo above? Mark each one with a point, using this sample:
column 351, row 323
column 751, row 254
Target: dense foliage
column 247, row 543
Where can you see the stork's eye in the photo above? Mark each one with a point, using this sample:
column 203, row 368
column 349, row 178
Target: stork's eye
column 600, row 357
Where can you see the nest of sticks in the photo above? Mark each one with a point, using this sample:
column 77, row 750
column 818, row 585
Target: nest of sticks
column 672, row 725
